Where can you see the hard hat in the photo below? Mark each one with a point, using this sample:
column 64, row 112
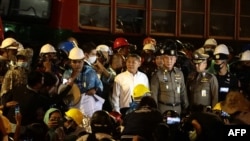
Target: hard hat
column 21, row 52
column 47, row 48
column 103, row 48
column 66, row 47
column 20, row 46
column 169, row 48
column 221, row 52
column 245, row 56
column 101, row 122
column 140, row 90
column 211, row 42
column 149, row 46
column 9, row 43
column 149, row 40
column 75, row 114
column 120, row 42
column 76, row 54
column 199, row 55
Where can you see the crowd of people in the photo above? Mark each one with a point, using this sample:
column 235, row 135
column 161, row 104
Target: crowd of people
column 169, row 90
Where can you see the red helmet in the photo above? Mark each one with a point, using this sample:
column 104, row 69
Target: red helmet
column 120, row 42
column 149, row 40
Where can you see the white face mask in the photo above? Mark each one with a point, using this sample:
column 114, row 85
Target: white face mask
column 22, row 64
column 92, row 59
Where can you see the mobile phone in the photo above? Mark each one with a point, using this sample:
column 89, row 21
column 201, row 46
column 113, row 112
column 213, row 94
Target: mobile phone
column 173, row 120
column 224, row 114
column 224, row 89
column 17, row 109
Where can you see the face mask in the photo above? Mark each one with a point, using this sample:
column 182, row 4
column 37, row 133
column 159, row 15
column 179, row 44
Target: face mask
column 217, row 67
column 22, row 64
column 92, row 59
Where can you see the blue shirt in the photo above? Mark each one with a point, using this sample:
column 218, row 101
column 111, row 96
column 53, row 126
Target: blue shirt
column 86, row 80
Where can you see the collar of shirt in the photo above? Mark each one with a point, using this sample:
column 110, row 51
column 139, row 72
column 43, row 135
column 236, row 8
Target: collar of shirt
column 132, row 73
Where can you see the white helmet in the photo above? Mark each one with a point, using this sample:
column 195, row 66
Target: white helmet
column 76, row 54
column 245, row 56
column 149, row 47
column 47, row 48
column 221, row 49
column 211, row 42
column 9, row 43
column 20, row 46
column 103, row 48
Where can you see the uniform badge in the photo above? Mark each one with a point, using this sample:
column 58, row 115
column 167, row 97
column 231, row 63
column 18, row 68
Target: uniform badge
column 204, row 79
column 196, row 56
column 161, row 51
column 172, row 52
column 217, row 56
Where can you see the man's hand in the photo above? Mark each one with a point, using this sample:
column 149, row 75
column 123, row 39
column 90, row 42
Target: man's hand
column 11, row 104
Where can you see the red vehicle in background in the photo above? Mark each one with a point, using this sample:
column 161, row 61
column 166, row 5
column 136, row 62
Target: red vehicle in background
column 35, row 22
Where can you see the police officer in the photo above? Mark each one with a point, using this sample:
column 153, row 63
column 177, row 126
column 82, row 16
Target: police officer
column 167, row 84
column 226, row 80
column 202, row 86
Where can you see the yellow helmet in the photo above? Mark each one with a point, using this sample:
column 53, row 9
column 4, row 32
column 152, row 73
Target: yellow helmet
column 140, row 90
column 75, row 114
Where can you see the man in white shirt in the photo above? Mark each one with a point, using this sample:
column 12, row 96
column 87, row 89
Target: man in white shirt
column 126, row 81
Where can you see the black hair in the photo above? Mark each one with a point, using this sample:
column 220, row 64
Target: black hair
column 34, row 77
column 88, row 47
column 49, row 79
column 148, row 101
column 134, row 55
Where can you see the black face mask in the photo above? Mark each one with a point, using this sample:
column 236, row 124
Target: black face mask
column 217, row 67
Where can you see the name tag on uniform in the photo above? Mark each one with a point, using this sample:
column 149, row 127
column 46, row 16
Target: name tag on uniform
column 203, row 93
column 178, row 89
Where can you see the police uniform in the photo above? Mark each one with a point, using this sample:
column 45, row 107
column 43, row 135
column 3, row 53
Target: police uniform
column 168, row 87
column 202, row 87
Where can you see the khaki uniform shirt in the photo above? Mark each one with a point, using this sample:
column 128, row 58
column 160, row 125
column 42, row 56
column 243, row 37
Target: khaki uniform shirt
column 202, row 89
column 169, row 90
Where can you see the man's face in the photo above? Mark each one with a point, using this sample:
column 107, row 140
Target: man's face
column 133, row 64
column 77, row 64
column 200, row 67
column 169, row 61
column 159, row 61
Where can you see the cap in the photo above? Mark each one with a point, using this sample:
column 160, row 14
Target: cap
column 169, row 48
column 199, row 56
column 211, row 42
